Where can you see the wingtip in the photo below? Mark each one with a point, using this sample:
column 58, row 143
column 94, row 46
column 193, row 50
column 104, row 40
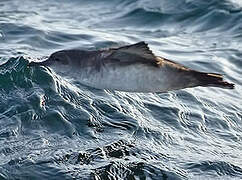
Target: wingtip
column 142, row 43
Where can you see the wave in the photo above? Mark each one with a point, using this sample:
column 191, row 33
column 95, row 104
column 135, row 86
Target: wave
column 221, row 168
column 188, row 16
column 52, row 126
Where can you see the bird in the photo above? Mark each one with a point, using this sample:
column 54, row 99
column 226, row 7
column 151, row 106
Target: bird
column 130, row 68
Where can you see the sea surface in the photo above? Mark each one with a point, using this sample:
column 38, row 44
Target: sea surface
column 53, row 128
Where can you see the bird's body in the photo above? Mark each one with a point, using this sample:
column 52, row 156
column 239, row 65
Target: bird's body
column 132, row 68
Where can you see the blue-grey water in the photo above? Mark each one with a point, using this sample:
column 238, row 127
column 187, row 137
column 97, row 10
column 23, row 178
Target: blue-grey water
column 53, row 128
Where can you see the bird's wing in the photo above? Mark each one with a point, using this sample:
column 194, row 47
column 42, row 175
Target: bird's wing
column 135, row 53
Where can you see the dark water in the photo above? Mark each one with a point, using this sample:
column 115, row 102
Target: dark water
column 53, row 129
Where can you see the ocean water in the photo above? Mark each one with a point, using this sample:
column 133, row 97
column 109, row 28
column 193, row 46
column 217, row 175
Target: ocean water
column 51, row 128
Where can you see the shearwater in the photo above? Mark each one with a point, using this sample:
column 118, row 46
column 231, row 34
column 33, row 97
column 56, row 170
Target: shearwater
column 132, row 68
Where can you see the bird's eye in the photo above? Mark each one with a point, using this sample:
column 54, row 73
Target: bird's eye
column 57, row 59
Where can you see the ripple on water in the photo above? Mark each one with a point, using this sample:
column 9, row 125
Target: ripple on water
column 220, row 168
column 53, row 127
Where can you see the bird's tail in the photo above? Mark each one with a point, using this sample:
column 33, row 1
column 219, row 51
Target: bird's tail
column 212, row 80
